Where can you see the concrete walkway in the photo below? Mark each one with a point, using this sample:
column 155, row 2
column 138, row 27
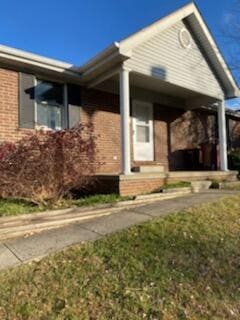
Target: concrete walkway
column 20, row 250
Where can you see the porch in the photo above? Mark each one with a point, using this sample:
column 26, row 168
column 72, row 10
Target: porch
column 165, row 151
column 140, row 183
column 161, row 73
column 164, row 127
column 159, row 139
column 139, row 145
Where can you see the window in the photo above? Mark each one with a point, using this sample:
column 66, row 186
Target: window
column 73, row 115
column 143, row 124
column 49, row 105
column 74, row 104
column 143, row 133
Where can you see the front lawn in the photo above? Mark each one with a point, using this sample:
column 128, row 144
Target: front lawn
column 183, row 266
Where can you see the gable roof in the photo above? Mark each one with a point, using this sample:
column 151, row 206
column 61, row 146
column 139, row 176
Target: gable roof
column 190, row 14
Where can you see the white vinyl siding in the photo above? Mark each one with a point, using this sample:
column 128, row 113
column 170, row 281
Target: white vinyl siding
column 163, row 57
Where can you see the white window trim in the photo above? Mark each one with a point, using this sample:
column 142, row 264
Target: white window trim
column 65, row 118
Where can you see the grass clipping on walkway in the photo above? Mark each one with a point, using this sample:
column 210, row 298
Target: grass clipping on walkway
column 184, row 266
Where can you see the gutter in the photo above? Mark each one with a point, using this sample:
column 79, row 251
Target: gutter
column 101, row 55
column 16, row 56
column 112, row 54
column 19, row 58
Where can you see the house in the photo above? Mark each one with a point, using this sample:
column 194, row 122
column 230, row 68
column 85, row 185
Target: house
column 155, row 98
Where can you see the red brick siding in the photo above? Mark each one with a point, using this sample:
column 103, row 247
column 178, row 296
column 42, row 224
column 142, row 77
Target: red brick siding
column 191, row 128
column 233, row 133
column 162, row 142
column 135, row 187
column 9, row 123
column 188, row 131
column 102, row 110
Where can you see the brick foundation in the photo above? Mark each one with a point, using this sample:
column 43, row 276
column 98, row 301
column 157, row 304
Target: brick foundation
column 145, row 183
column 141, row 186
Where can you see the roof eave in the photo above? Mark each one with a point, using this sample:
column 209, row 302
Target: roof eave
column 110, row 58
column 101, row 55
column 235, row 93
column 30, row 58
column 230, row 84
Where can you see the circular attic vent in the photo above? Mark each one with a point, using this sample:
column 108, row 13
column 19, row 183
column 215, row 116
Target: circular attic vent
column 185, row 38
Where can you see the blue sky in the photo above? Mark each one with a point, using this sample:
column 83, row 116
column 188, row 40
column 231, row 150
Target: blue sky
column 75, row 30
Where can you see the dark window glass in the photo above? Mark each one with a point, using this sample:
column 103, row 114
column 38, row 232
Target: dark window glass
column 49, row 98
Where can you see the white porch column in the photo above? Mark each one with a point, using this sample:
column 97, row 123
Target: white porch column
column 222, row 136
column 125, row 119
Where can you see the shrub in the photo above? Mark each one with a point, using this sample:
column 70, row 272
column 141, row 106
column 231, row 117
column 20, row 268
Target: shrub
column 47, row 165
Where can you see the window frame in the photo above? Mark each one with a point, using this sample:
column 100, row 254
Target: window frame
column 64, row 106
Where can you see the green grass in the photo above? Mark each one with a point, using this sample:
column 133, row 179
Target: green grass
column 183, row 266
column 10, row 207
column 17, row 207
column 177, row 184
column 99, row 199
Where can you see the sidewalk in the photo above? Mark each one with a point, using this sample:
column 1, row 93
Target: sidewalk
column 23, row 249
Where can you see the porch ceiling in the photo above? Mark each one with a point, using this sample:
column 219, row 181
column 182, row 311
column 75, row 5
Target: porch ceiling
column 158, row 85
column 154, row 90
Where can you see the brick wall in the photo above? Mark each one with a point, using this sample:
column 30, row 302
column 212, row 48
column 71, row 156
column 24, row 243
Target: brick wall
column 9, row 126
column 139, row 186
column 102, row 110
column 188, row 130
column 233, row 133
column 174, row 130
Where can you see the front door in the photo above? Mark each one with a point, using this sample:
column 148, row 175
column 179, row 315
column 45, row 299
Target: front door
column 143, row 131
